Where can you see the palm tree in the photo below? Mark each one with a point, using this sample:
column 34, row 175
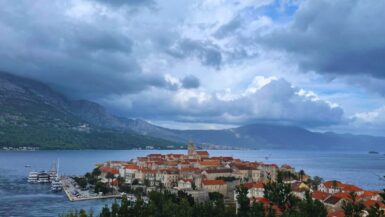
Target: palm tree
column 301, row 175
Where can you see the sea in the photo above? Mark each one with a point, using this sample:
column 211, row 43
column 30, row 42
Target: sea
column 18, row 198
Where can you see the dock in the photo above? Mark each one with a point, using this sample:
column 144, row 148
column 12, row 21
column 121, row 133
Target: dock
column 69, row 188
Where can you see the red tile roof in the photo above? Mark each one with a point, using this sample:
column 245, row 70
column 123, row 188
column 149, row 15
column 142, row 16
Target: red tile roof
column 330, row 184
column 210, row 163
column 370, row 203
column 338, row 213
column 202, row 153
column 319, row 195
column 254, row 185
column 108, row 170
column 131, row 166
column 350, row 188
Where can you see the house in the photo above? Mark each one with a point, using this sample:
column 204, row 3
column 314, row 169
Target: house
column 255, row 189
column 169, row 177
column 268, row 171
column 336, row 200
column 336, row 186
column 215, row 186
column 330, row 187
column 128, row 172
column 202, row 155
column 204, row 164
column 215, row 173
column 287, row 168
column 370, row 195
column 299, row 189
column 146, row 174
column 184, row 184
column 107, row 170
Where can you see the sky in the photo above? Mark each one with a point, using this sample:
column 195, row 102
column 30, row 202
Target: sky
column 208, row 64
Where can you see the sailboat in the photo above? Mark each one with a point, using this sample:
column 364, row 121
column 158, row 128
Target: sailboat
column 56, row 183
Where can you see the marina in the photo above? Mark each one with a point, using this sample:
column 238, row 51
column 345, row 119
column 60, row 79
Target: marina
column 74, row 193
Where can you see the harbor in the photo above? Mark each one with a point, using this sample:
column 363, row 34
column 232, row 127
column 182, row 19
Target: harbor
column 74, row 193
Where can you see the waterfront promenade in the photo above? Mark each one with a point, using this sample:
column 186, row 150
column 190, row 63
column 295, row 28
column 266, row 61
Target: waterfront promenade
column 76, row 194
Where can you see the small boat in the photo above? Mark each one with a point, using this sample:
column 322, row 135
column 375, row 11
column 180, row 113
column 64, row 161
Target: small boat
column 28, row 166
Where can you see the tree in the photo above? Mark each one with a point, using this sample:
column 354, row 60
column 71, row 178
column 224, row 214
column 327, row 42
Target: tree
column 315, row 182
column 257, row 209
column 110, row 176
column 301, row 175
column 279, row 193
column 81, row 181
column 310, row 207
column 382, row 194
column 215, row 196
column 243, row 201
column 115, row 209
column 375, row 211
column 353, row 208
column 105, row 212
column 96, row 172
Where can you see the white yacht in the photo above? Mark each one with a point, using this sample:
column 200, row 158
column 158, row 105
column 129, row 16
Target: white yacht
column 43, row 177
column 56, row 184
column 33, row 177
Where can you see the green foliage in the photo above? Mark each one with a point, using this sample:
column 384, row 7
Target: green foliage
column 102, row 187
column 81, row 181
column 353, row 208
column 243, row 201
column 68, row 138
column 375, row 211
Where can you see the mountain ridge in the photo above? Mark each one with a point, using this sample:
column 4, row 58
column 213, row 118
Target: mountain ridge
column 26, row 103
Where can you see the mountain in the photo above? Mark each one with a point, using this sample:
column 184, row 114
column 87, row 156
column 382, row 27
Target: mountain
column 33, row 114
column 270, row 136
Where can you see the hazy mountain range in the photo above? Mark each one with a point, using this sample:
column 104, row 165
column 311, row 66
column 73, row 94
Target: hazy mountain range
column 33, row 114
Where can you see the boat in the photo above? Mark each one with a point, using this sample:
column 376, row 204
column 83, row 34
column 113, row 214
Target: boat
column 33, row 177
column 373, row 152
column 43, row 177
column 56, row 183
column 27, row 166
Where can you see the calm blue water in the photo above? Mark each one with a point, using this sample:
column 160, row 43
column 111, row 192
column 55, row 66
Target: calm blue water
column 21, row 199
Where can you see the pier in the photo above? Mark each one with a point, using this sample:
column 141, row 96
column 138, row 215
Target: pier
column 75, row 194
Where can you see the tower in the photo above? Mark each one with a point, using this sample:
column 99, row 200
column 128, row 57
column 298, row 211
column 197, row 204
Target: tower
column 191, row 149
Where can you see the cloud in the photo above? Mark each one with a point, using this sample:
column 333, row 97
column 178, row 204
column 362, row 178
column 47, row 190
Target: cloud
column 190, row 82
column 129, row 3
column 208, row 53
column 335, row 37
column 274, row 101
column 74, row 46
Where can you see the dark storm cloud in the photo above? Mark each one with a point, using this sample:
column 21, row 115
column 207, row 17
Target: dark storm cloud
column 83, row 58
column 208, row 53
column 345, row 37
column 190, row 82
